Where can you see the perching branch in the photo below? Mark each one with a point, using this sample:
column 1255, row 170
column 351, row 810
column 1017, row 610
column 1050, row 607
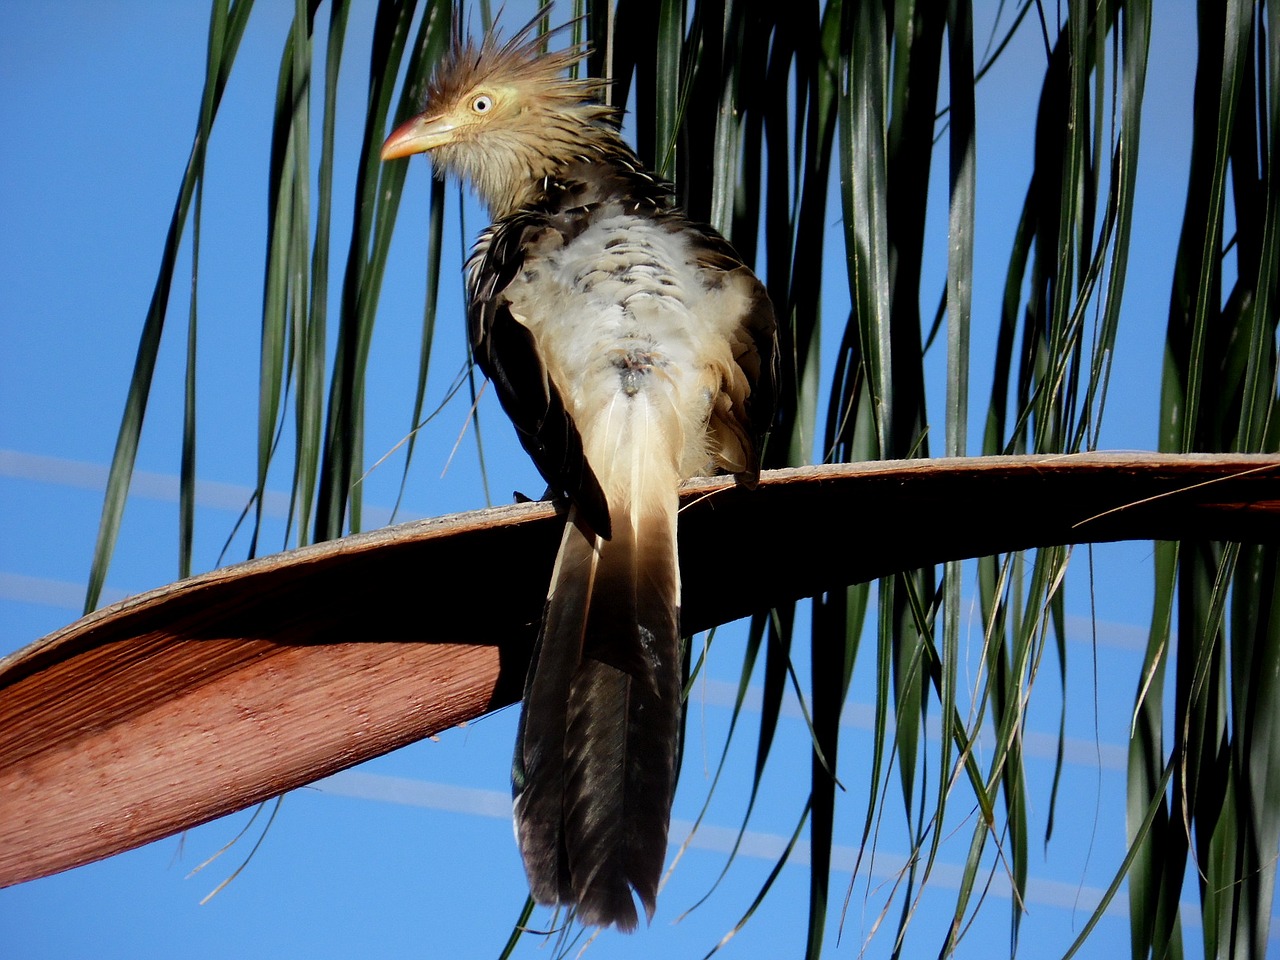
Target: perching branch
column 205, row 696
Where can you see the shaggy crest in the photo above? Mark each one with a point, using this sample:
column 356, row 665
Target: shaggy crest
column 518, row 61
column 512, row 116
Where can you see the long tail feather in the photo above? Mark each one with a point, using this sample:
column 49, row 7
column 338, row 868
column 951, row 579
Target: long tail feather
column 537, row 772
column 596, row 754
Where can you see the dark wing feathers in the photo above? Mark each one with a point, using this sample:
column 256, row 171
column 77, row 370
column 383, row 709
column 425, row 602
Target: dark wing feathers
column 507, row 353
column 756, row 352
column 759, row 360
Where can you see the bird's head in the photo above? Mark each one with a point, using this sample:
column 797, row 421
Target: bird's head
column 505, row 115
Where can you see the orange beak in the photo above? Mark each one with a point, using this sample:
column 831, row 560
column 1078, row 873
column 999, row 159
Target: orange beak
column 418, row 135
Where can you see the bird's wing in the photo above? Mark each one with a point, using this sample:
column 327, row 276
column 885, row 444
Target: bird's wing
column 748, row 391
column 508, row 354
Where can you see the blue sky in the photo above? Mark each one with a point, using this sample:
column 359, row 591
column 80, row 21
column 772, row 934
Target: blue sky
column 413, row 856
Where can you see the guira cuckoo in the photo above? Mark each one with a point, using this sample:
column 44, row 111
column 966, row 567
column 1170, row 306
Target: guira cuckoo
column 632, row 348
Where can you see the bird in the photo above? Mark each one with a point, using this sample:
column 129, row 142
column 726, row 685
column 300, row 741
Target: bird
column 632, row 348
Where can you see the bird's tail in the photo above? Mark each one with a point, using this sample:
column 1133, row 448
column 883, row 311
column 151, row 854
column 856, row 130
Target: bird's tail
column 596, row 753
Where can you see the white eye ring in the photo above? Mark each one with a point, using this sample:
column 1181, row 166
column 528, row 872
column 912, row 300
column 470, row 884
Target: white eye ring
column 482, row 104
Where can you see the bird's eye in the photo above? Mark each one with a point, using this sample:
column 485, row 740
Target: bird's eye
column 482, row 103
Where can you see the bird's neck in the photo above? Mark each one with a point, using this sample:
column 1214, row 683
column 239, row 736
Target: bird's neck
column 588, row 181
